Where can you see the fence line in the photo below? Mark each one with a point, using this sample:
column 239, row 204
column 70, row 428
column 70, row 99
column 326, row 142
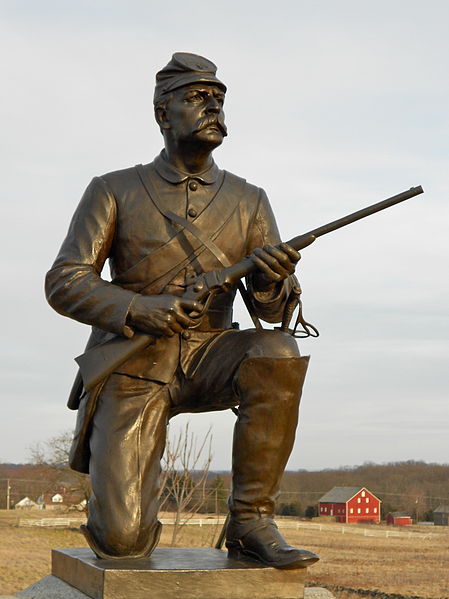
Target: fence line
column 367, row 532
column 64, row 522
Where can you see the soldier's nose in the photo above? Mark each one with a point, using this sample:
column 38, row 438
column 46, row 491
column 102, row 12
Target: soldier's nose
column 213, row 106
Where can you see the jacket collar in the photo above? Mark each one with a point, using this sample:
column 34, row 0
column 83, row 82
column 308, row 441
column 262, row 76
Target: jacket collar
column 173, row 175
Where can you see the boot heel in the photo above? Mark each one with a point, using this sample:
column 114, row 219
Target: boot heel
column 234, row 551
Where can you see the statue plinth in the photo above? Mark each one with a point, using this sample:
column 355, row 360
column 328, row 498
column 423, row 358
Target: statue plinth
column 190, row 573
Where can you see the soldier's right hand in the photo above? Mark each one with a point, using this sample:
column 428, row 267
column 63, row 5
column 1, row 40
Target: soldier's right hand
column 161, row 315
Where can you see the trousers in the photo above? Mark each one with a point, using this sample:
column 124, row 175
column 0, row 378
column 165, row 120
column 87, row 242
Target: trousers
column 129, row 432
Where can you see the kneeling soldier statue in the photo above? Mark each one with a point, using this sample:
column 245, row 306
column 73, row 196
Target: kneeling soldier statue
column 161, row 225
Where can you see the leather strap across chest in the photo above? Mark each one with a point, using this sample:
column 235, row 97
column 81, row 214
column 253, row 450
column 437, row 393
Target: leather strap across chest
column 147, row 182
column 159, row 267
column 153, row 194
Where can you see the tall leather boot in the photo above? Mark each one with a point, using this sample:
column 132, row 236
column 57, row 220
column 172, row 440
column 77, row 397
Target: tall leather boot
column 270, row 392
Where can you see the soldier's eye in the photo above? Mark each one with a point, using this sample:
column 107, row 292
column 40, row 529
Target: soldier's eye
column 196, row 97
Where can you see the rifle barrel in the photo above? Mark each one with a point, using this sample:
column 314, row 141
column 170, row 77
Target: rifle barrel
column 297, row 242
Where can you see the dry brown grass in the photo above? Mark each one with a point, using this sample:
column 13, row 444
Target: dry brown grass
column 407, row 566
column 25, row 554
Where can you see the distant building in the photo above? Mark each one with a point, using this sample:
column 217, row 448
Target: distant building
column 350, row 504
column 398, row 519
column 25, row 504
column 52, row 501
column 441, row 515
column 61, row 500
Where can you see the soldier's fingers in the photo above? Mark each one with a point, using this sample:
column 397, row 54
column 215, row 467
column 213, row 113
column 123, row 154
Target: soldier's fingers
column 294, row 255
column 282, row 257
column 189, row 305
column 272, row 262
column 270, row 274
column 183, row 319
column 175, row 326
column 172, row 320
column 167, row 331
column 172, row 325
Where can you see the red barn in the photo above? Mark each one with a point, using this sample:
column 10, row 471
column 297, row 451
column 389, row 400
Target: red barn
column 350, row 504
column 398, row 519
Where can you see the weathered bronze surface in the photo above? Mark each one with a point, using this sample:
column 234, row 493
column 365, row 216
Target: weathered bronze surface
column 100, row 361
column 187, row 573
column 160, row 225
column 179, row 233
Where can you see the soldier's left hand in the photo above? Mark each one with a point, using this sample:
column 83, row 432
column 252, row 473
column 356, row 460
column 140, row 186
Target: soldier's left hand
column 274, row 263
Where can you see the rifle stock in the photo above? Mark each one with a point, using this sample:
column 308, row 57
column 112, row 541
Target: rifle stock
column 99, row 362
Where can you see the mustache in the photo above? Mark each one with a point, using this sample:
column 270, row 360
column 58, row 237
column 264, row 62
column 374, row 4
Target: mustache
column 207, row 121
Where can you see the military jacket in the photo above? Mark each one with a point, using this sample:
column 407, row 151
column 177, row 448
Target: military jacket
column 117, row 220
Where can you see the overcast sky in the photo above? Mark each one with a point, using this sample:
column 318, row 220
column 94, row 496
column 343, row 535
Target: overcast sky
column 332, row 105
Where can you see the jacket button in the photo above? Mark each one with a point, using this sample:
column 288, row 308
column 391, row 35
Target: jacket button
column 186, row 334
column 193, row 185
column 192, row 212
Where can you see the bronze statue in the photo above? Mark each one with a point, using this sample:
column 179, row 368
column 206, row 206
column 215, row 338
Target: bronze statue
column 166, row 227
column 125, row 216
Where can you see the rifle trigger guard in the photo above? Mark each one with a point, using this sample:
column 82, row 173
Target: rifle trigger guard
column 205, row 307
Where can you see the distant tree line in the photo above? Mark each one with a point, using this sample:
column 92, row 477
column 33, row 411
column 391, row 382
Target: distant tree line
column 414, row 487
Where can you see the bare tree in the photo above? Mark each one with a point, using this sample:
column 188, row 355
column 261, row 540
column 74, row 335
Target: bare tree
column 185, row 470
column 184, row 481
column 54, row 456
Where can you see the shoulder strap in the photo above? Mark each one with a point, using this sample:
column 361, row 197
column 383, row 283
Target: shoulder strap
column 181, row 247
column 220, row 256
column 196, row 232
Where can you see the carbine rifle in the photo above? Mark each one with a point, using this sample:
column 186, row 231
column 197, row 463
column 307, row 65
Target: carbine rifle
column 100, row 361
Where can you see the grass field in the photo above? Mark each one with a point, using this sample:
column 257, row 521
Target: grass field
column 408, row 565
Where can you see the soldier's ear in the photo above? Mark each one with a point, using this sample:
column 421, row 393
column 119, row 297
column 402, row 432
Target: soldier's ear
column 160, row 113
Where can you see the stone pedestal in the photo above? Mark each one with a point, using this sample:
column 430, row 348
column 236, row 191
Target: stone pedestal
column 170, row 573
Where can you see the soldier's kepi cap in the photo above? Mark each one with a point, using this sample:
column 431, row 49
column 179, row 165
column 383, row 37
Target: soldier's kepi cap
column 183, row 69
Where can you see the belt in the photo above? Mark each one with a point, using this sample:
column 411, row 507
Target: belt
column 215, row 320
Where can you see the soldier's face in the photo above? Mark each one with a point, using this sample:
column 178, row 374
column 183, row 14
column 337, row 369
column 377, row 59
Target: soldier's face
column 195, row 114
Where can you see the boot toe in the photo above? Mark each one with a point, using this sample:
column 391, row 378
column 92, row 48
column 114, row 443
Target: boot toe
column 266, row 545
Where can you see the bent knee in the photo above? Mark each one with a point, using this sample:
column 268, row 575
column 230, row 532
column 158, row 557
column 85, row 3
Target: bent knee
column 272, row 344
column 125, row 542
column 122, row 543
